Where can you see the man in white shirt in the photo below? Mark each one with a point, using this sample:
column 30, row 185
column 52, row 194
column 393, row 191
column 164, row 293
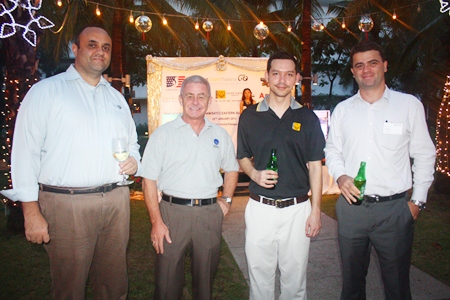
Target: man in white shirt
column 385, row 129
column 65, row 175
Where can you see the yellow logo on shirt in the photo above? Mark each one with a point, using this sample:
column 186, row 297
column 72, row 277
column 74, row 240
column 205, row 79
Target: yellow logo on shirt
column 296, row 126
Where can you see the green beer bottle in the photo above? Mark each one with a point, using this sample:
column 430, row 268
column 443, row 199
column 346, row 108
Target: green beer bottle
column 272, row 164
column 360, row 182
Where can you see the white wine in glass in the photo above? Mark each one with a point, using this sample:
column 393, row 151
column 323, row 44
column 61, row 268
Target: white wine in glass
column 121, row 153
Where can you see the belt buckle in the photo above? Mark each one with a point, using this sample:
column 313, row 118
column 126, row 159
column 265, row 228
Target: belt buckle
column 278, row 203
column 376, row 198
column 196, row 202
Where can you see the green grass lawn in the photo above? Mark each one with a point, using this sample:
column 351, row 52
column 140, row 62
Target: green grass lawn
column 431, row 248
column 25, row 268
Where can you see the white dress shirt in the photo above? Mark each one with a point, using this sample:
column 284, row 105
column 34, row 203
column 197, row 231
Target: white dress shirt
column 385, row 134
column 63, row 135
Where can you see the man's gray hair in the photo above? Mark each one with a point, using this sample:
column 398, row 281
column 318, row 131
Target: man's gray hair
column 195, row 79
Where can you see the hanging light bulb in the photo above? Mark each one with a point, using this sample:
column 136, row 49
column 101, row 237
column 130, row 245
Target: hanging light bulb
column 229, row 26
column 322, row 27
column 59, row 3
column 197, row 26
column 164, row 21
column 97, row 11
column 394, row 15
column 131, row 19
column 343, row 24
column 289, row 28
column 418, row 7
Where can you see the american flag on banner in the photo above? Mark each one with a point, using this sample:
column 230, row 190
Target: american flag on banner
column 180, row 80
column 170, row 81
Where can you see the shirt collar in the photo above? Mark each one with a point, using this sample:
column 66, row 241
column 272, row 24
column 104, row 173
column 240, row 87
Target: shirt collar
column 264, row 106
column 179, row 122
column 72, row 74
column 385, row 97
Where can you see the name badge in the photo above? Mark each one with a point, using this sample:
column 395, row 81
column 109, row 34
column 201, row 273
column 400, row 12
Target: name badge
column 392, row 128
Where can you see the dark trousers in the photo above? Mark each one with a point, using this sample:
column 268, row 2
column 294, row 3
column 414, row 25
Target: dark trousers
column 389, row 228
column 89, row 237
column 199, row 228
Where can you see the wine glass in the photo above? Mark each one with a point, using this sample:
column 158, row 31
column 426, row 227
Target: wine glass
column 121, row 153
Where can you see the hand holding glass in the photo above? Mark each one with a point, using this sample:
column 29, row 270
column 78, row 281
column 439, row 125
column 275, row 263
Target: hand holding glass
column 121, row 153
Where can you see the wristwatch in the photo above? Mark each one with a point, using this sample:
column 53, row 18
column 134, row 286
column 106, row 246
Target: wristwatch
column 227, row 199
column 421, row 205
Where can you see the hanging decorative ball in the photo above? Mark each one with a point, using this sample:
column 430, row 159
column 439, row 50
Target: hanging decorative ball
column 143, row 24
column 207, row 26
column 316, row 26
column 365, row 24
column 261, row 31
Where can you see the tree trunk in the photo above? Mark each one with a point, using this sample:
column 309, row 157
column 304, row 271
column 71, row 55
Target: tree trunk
column 117, row 42
column 306, row 53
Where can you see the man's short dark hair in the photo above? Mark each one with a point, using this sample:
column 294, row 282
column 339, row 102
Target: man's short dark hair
column 283, row 55
column 77, row 37
column 365, row 46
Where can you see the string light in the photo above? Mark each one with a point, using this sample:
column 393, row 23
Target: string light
column 229, row 26
column 9, row 29
column 131, row 18
column 394, row 15
column 164, row 21
column 443, row 132
column 289, row 28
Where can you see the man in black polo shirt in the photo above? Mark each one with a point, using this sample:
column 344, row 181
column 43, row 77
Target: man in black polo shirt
column 279, row 219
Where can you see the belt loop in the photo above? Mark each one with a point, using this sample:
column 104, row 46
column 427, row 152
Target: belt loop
column 170, row 200
column 261, row 199
column 295, row 200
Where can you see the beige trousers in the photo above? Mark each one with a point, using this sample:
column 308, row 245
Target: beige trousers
column 89, row 237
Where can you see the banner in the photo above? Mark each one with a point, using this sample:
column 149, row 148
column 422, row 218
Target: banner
column 228, row 78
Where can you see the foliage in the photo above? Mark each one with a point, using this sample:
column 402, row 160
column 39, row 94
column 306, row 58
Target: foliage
column 331, row 49
column 417, row 44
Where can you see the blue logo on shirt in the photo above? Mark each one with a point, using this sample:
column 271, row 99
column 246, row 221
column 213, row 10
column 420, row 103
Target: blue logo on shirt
column 216, row 142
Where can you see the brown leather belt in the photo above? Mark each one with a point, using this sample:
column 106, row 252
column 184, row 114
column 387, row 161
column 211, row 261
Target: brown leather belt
column 279, row 203
column 189, row 202
column 74, row 190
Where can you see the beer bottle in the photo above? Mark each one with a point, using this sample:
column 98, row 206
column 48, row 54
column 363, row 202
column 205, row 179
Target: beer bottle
column 360, row 182
column 272, row 164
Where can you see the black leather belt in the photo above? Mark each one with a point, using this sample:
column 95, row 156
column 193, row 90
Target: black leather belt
column 189, row 202
column 279, row 203
column 376, row 198
column 73, row 191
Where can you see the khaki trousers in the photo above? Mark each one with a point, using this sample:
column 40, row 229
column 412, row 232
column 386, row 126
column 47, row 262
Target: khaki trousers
column 199, row 228
column 89, row 237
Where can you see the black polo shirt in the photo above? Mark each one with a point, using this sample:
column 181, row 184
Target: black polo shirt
column 298, row 138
